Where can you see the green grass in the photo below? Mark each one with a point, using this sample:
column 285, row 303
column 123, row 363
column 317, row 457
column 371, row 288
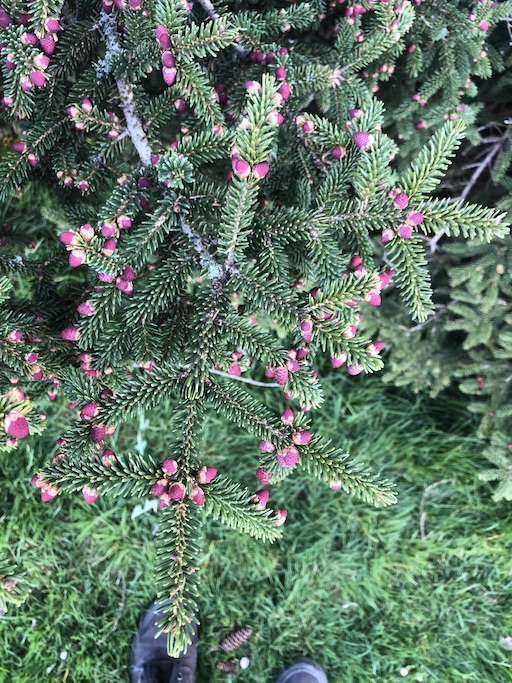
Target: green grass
column 354, row 587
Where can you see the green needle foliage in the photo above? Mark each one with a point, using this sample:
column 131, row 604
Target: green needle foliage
column 224, row 188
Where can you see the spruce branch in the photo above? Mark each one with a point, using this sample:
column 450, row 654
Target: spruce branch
column 426, row 171
column 238, row 406
column 143, row 389
column 413, row 279
column 484, row 163
column 189, row 419
column 129, row 475
column 246, row 380
column 234, row 506
column 268, row 295
column 470, row 220
column 216, row 271
column 134, row 126
column 177, row 577
column 333, row 466
column 14, row 586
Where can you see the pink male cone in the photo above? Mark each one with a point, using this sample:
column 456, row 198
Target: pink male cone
column 16, row 424
column 90, row 495
column 169, row 466
column 177, row 491
column 261, row 499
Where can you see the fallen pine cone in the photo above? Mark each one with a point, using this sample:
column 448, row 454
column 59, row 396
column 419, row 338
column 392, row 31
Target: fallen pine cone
column 236, row 638
column 228, row 667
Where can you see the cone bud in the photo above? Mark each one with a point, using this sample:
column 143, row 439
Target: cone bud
column 415, row 217
column 385, row 277
column 47, row 43
column 197, row 495
column 241, row 167
column 287, row 417
column 51, row 25
column 375, row 348
column 404, row 231
column 85, row 308
column 206, row 474
column 302, row 353
column 293, row 365
column 177, row 491
column 77, row 257
column 86, row 232
column 70, row 333
column 90, row 495
column 89, row 411
column 160, row 487
column 253, row 87
column 401, row 200
column 373, row 298
column 162, row 37
column 338, row 152
column 108, row 458
column 37, row 78
column 350, row 332
column 306, row 330
column 37, row 481
column 124, row 222
column 164, row 501
column 48, row 493
column 281, row 376
column 261, row 499
column 68, row 238
column 169, row 75
column 263, row 476
column 41, row 61
column 98, row 433
column 288, row 457
column 266, row 447
column 260, row 170
column 234, row 369
column 169, row 466
column 16, row 424
column 301, row 438
column 361, row 139
column 387, row 235
column 108, row 229
column 168, row 59
column 280, row 517
column 284, row 90
column 109, row 246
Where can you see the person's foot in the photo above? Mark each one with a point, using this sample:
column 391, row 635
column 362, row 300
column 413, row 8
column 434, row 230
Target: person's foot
column 303, row 671
column 150, row 663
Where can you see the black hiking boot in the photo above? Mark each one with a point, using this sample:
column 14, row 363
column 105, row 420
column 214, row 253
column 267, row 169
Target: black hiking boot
column 150, row 662
column 303, row 671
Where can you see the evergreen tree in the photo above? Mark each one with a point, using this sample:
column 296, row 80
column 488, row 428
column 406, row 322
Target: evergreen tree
column 227, row 205
column 465, row 342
